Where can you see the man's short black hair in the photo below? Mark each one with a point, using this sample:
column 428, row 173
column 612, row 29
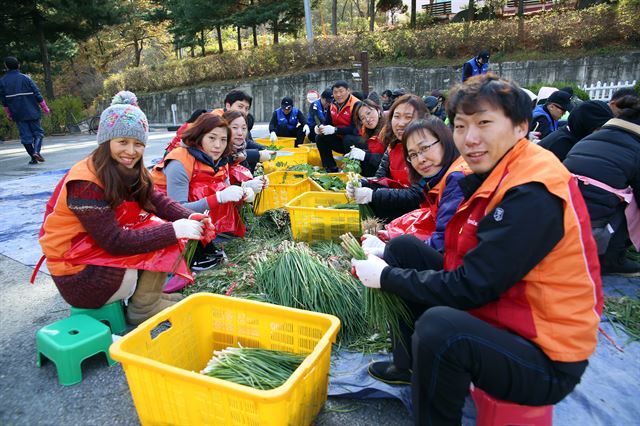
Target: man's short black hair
column 327, row 94
column 340, row 83
column 237, row 95
column 493, row 90
column 620, row 93
column 386, row 92
column 11, row 62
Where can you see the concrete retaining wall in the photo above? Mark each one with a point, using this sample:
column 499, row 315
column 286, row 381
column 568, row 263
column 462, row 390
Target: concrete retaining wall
column 267, row 92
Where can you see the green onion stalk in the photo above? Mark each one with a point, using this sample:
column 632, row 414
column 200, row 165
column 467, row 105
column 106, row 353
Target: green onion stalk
column 293, row 276
column 188, row 252
column 383, row 310
column 365, row 210
column 258, row 368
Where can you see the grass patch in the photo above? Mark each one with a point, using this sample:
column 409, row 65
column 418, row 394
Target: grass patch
column 624, row 311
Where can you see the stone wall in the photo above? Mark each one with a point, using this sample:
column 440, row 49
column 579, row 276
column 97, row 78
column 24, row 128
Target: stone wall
column 267, row 92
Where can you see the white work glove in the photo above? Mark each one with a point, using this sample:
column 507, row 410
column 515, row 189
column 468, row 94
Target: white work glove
column 231, row 194
column 188, row 228
column 317, row 130
column 328, row 130
column 373, row 245
column 370, row 270
column 273, row 137
column 306, row 130
column 249, row 195
column 363, row 195
column 356, row 154
column 265, row 155
column 255, row 184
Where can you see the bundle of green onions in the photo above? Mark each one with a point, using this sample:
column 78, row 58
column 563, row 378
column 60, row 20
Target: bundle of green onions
column 383, row 310
column 258, row 368
column 293, row 276
column 188, row 252
column 366, row 212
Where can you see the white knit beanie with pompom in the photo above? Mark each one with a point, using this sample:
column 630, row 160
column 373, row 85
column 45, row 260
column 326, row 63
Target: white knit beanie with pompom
column 123, row 119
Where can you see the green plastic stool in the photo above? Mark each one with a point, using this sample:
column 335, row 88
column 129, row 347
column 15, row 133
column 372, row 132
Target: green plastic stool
column 70, row 341
column 111, row 313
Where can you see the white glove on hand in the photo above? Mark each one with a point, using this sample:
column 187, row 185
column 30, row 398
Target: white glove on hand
column 187, row 228
column 373, row 245
column 265, row 181
column 265, row 155
column 232, row 194
column 356, row 154
column 306, row 130
column 273, row 137
column 317, row 130
column 328, row 130
column 249, row 195
column 255, row 184
column 370, row 270
column 363, row 195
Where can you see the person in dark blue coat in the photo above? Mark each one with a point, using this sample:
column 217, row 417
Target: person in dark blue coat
column 545, row 117
column 22, row 102
column 288, row 121
column 476, row 66
column 319, row 112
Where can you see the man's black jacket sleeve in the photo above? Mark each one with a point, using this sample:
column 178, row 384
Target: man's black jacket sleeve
column 529, row 228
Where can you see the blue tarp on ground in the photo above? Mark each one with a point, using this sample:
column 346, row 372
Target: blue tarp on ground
column 607, row 395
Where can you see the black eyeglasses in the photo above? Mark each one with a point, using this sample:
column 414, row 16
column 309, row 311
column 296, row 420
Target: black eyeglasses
column 421, row 152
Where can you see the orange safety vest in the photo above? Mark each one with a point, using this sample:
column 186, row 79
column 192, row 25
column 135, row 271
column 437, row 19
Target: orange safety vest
column 342, row 117
column 68, row 248
column 218, row 111
column 203, row 182
column 434, row 195
column 557, row 305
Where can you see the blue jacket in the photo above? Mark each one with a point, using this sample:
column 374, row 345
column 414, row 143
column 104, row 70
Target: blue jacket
column 21, row 95
column 475, row 69
column 316, row 110
column 291, row 121
column 539, row 112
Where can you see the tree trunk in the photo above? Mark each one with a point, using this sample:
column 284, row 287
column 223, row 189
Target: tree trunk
column 239, row 39
column 138, row 51
column 255, row 36
column 413, row 14
column 372, row 14
column 219, row 33
column 193, row 51
column 471, row 10
column 202, row 43
column 334, row 17
column 275, row 31
column 44, row 54
column 520, row 20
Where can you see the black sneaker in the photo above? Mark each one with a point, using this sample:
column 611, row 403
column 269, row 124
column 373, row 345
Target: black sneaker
column 624, row 268
column 38, row 157
column 387, row 372
column 208, row 261
column 33, row 161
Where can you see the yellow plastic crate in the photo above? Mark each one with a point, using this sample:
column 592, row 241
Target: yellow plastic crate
column 311, row 223
column 283, row 187
column 286, row 158
column 163, row 356
column 314, row 155
column 282, row 142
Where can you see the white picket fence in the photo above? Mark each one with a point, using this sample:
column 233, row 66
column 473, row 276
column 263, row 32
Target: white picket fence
column 603, row 91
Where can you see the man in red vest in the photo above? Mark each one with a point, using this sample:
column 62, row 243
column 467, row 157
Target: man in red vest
column 513, row 305
column 340, row 133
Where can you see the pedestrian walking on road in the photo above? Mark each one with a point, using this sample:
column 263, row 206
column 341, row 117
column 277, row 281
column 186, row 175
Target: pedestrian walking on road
column 22, row 102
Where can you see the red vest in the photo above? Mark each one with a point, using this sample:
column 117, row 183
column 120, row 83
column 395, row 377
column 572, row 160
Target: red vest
column 375, row 145
column 398, row 166
column 557, row 305
column 342, row 117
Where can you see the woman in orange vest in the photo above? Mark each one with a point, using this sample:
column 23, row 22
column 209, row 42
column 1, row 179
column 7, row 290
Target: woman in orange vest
column 197, row 176
column 107, row 234
column 370, row 120
column 514, row 304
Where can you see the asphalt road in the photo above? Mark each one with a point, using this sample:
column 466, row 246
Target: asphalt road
column 32, row 396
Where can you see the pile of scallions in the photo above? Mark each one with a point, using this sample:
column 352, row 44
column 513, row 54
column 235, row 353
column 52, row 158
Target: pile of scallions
column 258, row 368
column 381, row 308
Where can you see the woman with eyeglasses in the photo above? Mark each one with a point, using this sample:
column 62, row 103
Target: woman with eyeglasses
column 369, row 118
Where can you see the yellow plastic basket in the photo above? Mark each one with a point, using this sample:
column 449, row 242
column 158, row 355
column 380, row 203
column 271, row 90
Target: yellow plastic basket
column 286, row 158
column 282, row 142
column 314, row 154
column 163, row 356
column 283, row 187
column 310, row 222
